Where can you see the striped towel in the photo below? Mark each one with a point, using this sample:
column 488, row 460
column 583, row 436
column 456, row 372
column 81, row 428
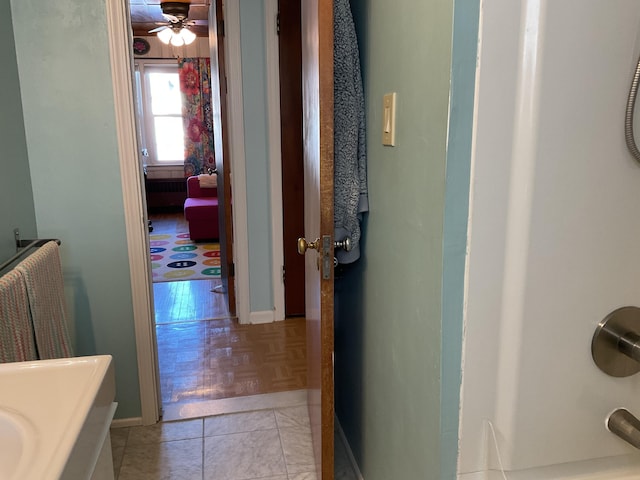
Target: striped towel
column 16, row 333
column 42, row 272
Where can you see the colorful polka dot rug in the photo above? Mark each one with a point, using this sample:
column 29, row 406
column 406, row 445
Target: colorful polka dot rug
column 175, row 257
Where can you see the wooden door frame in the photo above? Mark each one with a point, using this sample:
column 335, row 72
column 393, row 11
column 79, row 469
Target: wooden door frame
column 236, row 157
column 221, row 148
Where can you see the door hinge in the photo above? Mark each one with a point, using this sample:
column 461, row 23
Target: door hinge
column 221, row 28
column 232, row 269
column 283, row 274
column 278, row 23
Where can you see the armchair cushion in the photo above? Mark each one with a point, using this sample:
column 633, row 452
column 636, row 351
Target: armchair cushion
column 201, row 211
column 195, row 191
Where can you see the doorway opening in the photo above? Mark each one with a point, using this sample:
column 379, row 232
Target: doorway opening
column 204, row 355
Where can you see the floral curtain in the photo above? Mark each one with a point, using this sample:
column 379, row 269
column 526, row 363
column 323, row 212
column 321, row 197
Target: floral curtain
column 197, row 117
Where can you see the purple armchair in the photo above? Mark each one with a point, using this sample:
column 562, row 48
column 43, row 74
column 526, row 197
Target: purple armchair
column 201, row 211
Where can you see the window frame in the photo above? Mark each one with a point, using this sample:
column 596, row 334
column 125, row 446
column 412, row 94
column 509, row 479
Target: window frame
column 146, row 127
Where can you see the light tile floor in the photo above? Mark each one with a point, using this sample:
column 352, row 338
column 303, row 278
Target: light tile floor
column 271, row 444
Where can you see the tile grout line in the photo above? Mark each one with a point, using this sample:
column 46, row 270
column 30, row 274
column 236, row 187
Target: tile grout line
column 124, row 451
column 284, row 457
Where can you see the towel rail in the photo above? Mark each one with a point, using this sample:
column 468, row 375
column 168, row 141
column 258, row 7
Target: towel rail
column 23, row 249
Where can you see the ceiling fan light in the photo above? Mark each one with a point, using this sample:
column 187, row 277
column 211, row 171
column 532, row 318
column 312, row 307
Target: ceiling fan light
column 177, row 40
column 188, row 36
column 165, row 35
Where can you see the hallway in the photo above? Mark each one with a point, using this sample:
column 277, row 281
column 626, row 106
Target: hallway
column 204, row 355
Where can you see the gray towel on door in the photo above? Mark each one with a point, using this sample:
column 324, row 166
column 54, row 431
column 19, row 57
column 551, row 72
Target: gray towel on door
column 350, row 156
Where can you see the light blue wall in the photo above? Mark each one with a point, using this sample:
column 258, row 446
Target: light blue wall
column 16, row 198
column 388, row 328
column 65, row 80
column 254, row 80
column 463, row 69
column 63, row 61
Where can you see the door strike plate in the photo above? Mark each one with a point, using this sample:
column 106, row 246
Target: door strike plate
column 327, row 259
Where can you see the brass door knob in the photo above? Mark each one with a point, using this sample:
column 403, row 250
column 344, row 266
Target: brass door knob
column 303, row 245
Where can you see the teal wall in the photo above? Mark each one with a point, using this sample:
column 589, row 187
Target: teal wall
column 66, row 93
column 16, row 198
column 254, row 81
column 463, row 69
column 67, row 98
column 388, row 328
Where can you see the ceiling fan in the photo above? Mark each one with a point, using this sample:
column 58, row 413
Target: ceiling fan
column 176, row 28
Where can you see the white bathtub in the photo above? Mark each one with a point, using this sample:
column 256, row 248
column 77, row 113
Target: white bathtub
column 554, row 240
column 625, row 467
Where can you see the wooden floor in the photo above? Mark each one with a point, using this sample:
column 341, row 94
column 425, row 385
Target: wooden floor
column 213, row 359
column 188, row 300
column 171, row 222
column 205, row 355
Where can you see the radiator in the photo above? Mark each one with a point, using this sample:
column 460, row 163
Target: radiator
column 169, row 192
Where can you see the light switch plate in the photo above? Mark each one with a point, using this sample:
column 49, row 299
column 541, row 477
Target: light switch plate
column 389, row 119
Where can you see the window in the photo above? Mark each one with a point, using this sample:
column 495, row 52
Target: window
column 160, row 112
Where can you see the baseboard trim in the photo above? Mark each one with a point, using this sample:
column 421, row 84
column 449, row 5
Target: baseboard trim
column 352, row 459
column 265, row 316
column 126, row 422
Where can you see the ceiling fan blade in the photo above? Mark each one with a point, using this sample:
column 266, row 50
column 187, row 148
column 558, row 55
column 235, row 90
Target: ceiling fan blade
column 171, row 18
column 159, row 29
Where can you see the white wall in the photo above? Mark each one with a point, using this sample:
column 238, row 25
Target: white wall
column 553, row 233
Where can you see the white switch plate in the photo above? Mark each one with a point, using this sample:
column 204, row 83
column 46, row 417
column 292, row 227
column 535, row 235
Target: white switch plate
column 389, row 119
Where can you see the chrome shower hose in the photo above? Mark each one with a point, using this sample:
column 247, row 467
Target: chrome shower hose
column 628, row 117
